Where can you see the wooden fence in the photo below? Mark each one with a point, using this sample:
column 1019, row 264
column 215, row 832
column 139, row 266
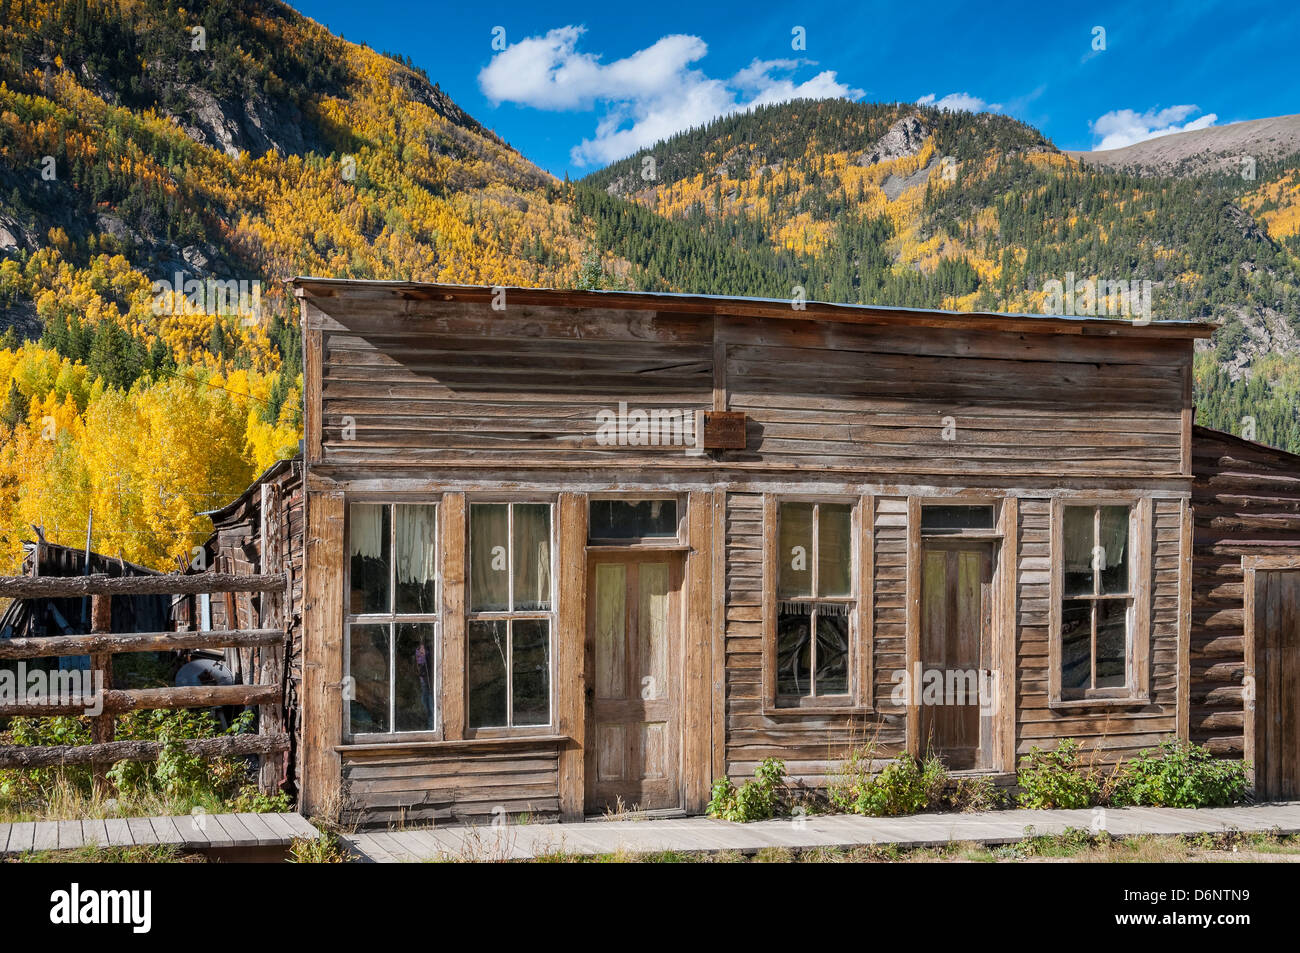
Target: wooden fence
column 102, row 644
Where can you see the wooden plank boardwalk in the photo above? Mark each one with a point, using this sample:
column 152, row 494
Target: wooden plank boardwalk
column 704, row 834
column 190, row 832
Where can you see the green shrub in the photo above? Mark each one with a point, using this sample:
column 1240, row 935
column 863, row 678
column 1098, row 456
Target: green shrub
column 904, row 786
column 176, row 775
column 249, row 800
column 1179, row 774
column 1057, row 779
column 755, row 800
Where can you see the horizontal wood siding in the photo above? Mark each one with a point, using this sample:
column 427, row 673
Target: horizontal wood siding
column 475, row 385
column 879, row 399
column 471, row 785
column 1246, row 502
column 810, row 744
column 1113, row 730
column 890, row 618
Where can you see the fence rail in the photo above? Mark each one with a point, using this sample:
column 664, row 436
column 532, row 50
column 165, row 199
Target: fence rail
column 102, row 644
column 119, row 643
column 98, row 584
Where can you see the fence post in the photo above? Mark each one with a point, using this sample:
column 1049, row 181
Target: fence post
column 102, row 725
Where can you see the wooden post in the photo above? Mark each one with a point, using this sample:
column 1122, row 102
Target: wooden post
column 101, row 726
column 322, row 655
column 570, row 650
column 270, row 718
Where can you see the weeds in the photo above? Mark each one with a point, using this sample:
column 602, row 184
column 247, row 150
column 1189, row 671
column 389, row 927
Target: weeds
column 324, row 849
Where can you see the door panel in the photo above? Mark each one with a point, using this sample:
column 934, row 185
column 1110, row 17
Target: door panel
column 633, row 615
column 956, row 651
column 1277, row 684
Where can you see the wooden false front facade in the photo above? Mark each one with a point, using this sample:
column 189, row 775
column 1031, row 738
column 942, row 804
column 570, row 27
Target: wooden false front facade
column 726, row 530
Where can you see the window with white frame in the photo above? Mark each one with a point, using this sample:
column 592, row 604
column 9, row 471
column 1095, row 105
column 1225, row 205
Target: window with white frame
column 1096, row 600
column 510, row 617
column 814, row 622
column 392, row 618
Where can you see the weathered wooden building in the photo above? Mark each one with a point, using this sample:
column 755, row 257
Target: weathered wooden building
column 570, row 549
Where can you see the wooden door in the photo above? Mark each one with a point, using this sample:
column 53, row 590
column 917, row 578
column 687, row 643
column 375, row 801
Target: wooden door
column 1277, row 684
column 956, row 653
column 634, row 634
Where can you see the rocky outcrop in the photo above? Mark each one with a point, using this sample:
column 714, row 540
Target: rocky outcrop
column 904, row 138
column 1266, row 332
column 256, row 126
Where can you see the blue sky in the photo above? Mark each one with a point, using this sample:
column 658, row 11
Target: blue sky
column 575, row 85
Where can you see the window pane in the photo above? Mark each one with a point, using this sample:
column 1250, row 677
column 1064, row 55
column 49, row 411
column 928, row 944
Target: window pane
column 486, row 673
column 413, row 683
column 368, row 668
column 489, row 556
column 633, row 519
column 417, row 529
column 794, row 550
column 1076, row 645
column 1078, row 531
column 1113, row 549
column 832, row 649
column 532, row 671
column 532, row 556
column 793, row 650
column 953, row 519
column 1112, row 643
column 834, row 549
column 368, row 544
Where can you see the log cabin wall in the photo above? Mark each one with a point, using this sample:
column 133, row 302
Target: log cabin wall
column 1246, row 500
column 426, row 392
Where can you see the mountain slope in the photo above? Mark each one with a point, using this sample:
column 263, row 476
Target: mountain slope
column 1221, row 148
column 905, row 205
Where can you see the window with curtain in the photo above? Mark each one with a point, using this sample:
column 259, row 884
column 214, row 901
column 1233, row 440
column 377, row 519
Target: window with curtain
column 510, row 617
column 1096, row 600
column 814, row 621
column 392, row 618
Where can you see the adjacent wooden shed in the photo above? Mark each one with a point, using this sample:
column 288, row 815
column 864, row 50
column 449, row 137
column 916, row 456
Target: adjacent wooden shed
column 260, row 531
column 1245, row 658
column 566, row 550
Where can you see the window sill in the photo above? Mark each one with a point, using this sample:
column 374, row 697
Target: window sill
column 496, row 741
column 1119, row 701
column 848, row 708
column 639, row 546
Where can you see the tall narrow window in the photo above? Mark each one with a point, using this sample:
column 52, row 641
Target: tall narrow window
column 392, row 617
column 1096, row 600
column 815, row 602
column 508, row 657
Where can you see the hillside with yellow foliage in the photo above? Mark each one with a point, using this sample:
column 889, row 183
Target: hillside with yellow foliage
column 165, row 168
column 130, row 161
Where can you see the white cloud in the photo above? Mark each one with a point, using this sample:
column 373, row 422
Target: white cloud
column 645, row 97
column 958, row 102
column 1123, row 127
